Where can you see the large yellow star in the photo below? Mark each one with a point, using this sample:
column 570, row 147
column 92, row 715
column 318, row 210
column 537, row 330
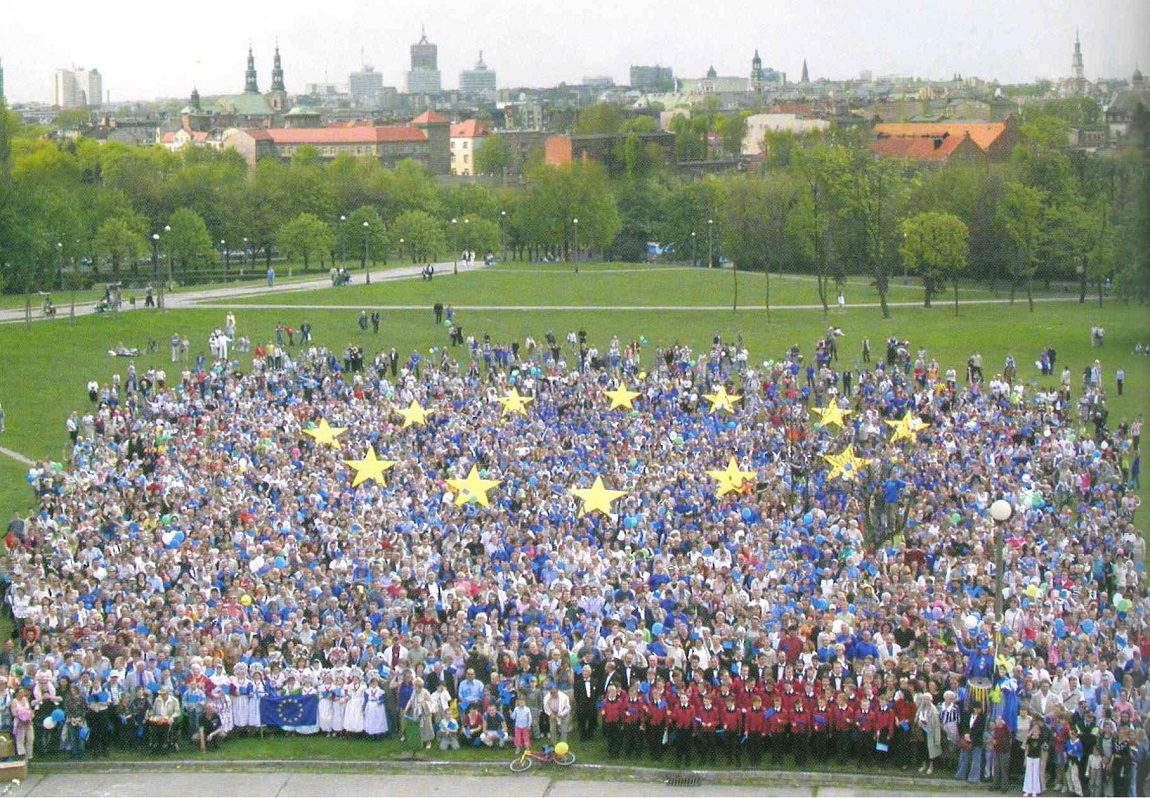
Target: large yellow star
column 596, row 497
column 907, row 427
column 846, row 464
column 831, row 414
column 370, row 467
column 514, row 403
column 414, row 414
column 721, row 400
column 474, row 488
column 621, row 397
column 731, row 479
column 325, row 433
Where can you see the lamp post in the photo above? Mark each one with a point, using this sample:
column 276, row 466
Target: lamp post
column 694, row 259
column 575, row 228
column 59, row 266
column 710, row 244
column 502, row 233
column 455, row 246
column 401, row 249
column 1000, row 511
column 244, row 258
column 227, row 257
column 168, row 229
column 467, row 238
column 342, row 243
column 156, row 257
column 366, row 254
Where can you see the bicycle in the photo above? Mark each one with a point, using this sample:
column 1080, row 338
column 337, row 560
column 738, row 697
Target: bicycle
column 529, row 757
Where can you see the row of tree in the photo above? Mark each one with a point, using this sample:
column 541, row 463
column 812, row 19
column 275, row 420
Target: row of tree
column 821, row 205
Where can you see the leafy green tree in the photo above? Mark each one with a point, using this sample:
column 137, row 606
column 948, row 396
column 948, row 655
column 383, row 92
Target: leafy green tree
column 493, row 156
column 641, row 211
column 422, row 236
column 934, row 245
column 372, row 241
column 1021, row 217
column 601, row 118
column 188, row 242
column 304, row 236
column 636, row 158
column 1133, row 278
column 121, row 239
column 734, row 131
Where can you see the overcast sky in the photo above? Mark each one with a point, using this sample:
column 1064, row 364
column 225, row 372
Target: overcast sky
column 147, row 50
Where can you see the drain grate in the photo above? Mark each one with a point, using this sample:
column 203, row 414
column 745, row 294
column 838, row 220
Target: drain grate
column 684, row 780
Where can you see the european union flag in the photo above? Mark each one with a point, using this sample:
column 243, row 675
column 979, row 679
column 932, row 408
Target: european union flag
column 289, row 710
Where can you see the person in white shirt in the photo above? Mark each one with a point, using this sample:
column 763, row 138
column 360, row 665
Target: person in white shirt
column 557, row 708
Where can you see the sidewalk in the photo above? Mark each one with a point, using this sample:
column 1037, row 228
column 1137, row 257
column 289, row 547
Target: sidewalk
column 189, row 299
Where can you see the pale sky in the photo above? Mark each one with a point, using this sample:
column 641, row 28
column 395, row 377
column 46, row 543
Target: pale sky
column 147, row 50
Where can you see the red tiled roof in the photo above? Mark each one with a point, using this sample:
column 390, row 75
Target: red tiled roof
column 429, row 118
column 339, row 135
column 983, row 133
column 916, row 149
column 471, row 129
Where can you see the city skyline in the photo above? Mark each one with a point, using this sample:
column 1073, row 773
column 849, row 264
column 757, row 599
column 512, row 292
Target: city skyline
column 543, row 46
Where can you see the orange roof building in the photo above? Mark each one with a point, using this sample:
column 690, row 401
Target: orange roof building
column 942, row 140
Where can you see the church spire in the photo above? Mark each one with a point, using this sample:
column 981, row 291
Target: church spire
column 250, row 84
column 277, row 72
column 806, row 75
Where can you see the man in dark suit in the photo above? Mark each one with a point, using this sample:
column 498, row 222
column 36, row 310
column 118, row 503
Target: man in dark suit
column 441, row 675
column 629, row 671
column 587, row 695
column 610, row 676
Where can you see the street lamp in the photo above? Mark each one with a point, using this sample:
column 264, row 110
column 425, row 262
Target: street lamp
column 1000, row 511
column 168, row 229
column 467, row 237
column 366, row 254
column 502, row 235
column 227, row 257
column 575, row 227
column 401, row 249
column 59, row 266
column 694, row 260
column 710, row 244
column 156, row 257
column 342, row 243
column 244, row 259
column 455, row 246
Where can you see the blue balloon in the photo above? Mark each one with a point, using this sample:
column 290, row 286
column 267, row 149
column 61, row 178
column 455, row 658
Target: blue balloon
column 281, row 562
column 58, row 715
column 657, row 629
column 1088, row 626
column 84, row 732
column 809, row 519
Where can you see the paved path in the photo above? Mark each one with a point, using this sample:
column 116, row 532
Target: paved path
column 529, row 785
column 17, row 456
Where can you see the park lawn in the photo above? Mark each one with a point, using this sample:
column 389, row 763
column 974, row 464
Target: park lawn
column 601, row 285
column 47, row 365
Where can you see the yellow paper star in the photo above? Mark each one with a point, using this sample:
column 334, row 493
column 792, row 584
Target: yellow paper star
column 414, row 414
column 721, row 400
column 596, row 497
column 845, row 465
column 514, row 403
column 621, row 397
column 474, row 488
column 370, row 467
column 831, row 414
column 907, row 427
column 731, row 479
column 325, row 433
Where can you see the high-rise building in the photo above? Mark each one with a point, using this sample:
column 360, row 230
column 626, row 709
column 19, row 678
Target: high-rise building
column 653, row 78
column 424, row 75
column 365, row 86
column 473, row 81
column 77, row 88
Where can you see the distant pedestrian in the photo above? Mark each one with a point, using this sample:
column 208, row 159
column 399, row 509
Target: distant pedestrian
column 271, row 277
column 842, row 300
column 375, row 316
column 438, row 309
column 1, row 418
column 1120, row 376
column 363, row 320
column 866, row 350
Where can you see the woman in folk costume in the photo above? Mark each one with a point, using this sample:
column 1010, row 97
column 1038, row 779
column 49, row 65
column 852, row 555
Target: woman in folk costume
column 243, row 694
column 259, row 690
column 327, row 703
column 375, row 711
column 309, row 687
column 354, row 720
column 338, row 701
column 219, row 693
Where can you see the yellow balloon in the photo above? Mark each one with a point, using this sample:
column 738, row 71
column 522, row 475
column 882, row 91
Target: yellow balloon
column 561, row 749
column 246, row 600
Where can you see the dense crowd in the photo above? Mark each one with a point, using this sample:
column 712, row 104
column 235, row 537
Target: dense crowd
column 201, row 551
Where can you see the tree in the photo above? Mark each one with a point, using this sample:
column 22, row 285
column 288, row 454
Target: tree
column 120, row 239
column 493, row 156
column 188, row 242
column 372, row 240
column 304, row 236
column 601, row 118
column 934, row 245
column 1133, row 279
column 1021, row 217
column 422, row 235
column 734, row 132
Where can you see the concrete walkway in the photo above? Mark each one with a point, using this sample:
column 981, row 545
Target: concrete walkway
column 547, row 782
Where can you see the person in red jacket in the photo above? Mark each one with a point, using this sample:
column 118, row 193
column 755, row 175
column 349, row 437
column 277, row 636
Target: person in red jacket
column 731, row 717
column 755, row 730
column 634, row 722
column 884, row 728
column 778, row 729
column 612, row 712
column 800, row 733
column 709, row 730
column 865, row 737
column 902, row 748
column 821, row 730
column 656, row 712
column 842, row 727
column 681, row 723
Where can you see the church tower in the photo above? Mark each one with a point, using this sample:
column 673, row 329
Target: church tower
column 806, row 75
column 277, row 97
column 250, row 84
column 1077, row 69
column 756, row 72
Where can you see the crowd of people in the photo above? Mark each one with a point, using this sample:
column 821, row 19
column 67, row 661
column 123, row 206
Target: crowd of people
column 201, row 551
